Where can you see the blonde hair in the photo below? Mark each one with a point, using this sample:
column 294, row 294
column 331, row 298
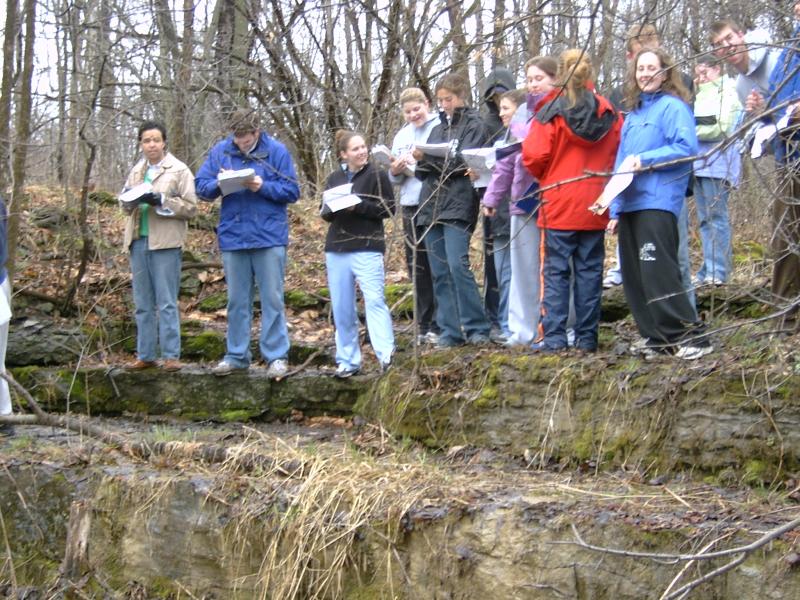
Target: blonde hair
column 575, row 70
column 413, row 94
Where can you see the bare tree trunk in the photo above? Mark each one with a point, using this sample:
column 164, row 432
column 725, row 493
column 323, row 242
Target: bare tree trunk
column 534, row 31
column 382, row 101
column 499, row 26
column 458, row 38
column 5, row 93
column 182, row 142
column 23, row 134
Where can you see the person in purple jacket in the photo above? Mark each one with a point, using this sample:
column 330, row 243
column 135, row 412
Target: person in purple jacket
column 496, row 199
column 524, row 287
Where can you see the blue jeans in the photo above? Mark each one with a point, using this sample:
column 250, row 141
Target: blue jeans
column 243, row 269
column 156, row 280
column 501, row 252
column 366, row 268
column 711, row 197
column 572, row 267
column 459, row 311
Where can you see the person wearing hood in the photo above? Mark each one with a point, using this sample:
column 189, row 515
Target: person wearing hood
column 448, row 210
column 499, row 81
column 657, row 145
column 420, row 121
column 574, row 131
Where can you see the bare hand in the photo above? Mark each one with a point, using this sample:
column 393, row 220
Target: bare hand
column 754, row 103
column 612, row 226
column 417, row 154
column 254, row 183
column 472, row 175
column 397, row 166
column 489, row 211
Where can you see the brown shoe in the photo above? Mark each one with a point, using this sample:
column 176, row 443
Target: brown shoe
column 171, row 364
column 140, row 364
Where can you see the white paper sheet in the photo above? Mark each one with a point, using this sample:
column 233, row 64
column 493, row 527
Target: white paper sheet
column 340, row 197
column 766, row 132
column 383, row 157
column 615, row 186
column 233, row 181
column 132, row 195
column 763, row 134
column 5, row 309
column 439, row 150
column 481, row 162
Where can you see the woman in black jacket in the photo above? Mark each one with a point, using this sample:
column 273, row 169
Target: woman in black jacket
column 448, row 209
column 354, row 250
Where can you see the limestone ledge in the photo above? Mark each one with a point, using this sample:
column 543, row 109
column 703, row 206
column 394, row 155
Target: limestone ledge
column 166, row 532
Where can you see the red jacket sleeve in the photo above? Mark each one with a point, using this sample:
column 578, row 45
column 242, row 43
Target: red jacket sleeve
column 537, row 148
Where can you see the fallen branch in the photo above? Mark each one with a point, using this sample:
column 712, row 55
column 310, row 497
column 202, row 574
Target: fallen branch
column 764, row 539
column 305, row 364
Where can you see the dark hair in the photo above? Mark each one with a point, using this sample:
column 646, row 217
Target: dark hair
column 148, row 125
column 342, row 139
column 548, row 64
column 672, row 84
column 243, row 120
column 515, row 96
column 455, row 83
column 575, row 70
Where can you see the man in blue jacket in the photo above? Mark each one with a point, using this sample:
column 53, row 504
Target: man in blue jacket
column 253, row 233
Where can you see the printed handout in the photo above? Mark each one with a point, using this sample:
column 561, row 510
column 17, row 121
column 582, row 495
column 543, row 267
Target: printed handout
column 231, row 182
column 132, row 195
column 340, row 197
column 481, row 162
column 615, row 186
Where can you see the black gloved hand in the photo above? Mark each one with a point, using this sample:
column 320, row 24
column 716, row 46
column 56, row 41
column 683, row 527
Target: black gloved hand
column 152, row 198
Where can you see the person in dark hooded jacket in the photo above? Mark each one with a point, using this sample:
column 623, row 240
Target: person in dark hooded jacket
column 497, row 82
column 448, row 210
column 575, row 131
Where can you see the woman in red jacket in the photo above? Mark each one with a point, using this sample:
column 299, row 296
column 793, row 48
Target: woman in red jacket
column 575, row 132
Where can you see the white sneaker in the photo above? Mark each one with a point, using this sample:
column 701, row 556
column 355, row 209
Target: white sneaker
column 431, row 338
column 225, row 368
column 343, row 371
column 639, row 344
column 693, row 352
column 610, row 281
column 277, row 368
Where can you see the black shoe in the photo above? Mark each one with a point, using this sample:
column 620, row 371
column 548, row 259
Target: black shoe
column 6, row 429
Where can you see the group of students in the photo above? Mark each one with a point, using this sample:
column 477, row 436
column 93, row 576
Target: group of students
column 562, row 139
column 560, row 142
